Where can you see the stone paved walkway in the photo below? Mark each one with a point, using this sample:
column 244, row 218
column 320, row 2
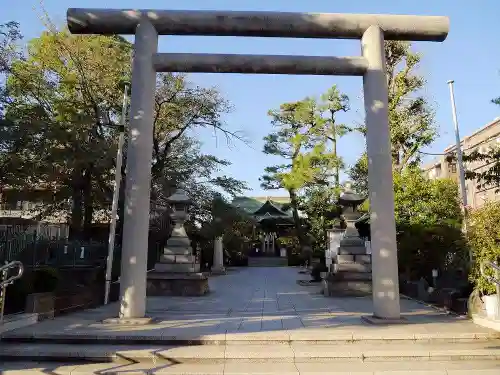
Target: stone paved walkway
column 258, row 303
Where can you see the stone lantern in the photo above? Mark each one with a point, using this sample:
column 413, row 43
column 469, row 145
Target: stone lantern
column 351, row 260
column 349, row 201
column 178, row 272
column 180, row 203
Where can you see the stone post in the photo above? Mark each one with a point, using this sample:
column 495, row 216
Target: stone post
column 334, row 236
column 138, row 181
column 218, row 261
column 383, row 228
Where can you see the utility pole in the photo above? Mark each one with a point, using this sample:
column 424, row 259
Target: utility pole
column 116, row 194
column 461, row 170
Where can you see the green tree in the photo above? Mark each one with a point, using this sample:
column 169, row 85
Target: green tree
column 428, row 222
column 333, row 102
column 411, row 118
column 61, row 98
column 307, row 135
column 10, row 35
column 301, row 139
column 197, row 173
column 484, row 239
column 319, row 205
column 358, row 174
column 419, row 200
column 485, row 178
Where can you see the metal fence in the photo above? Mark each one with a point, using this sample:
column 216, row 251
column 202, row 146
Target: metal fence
column 34, row 251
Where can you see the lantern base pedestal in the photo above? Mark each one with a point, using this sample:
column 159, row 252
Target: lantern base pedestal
column 172, row 284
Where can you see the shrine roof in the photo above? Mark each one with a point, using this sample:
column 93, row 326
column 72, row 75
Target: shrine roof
column 260, row 206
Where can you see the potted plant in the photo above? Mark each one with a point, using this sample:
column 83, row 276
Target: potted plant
column 491, row 299
column 484, row 240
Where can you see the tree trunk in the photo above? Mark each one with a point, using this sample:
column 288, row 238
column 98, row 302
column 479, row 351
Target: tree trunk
column 298, row 226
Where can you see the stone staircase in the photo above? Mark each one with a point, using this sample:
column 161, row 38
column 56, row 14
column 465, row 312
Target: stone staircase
column 267, row 262
column 380, row 352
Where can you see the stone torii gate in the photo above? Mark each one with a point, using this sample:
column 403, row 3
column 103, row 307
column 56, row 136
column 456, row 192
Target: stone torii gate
column 371, row 29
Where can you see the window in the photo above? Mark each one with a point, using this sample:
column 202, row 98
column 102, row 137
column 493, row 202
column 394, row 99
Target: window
column 453, row 168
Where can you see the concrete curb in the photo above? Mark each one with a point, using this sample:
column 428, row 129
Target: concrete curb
column 434, row 307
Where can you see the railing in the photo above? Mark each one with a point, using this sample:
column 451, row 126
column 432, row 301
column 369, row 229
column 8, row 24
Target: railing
column 492, row 279
column 5, row 281
column 35, row 252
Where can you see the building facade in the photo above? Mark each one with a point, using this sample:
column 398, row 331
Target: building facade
column 445, row 166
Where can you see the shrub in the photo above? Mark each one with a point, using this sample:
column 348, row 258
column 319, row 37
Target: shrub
column 484, row 241
column 428, row 220
column 421, row 248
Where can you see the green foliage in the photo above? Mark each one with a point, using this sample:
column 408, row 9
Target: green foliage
column 233, row 225
column 9, row 51
column 61, row 95
column 484, row 240
column 485, row 178
column 299, row 140
column 319, row 204
column 306, row 138
column 226, row 220
column 428, row 221
column 305, row 129
column 59, row 102
column 411, row 118
column 358, row 174
column 419, row 200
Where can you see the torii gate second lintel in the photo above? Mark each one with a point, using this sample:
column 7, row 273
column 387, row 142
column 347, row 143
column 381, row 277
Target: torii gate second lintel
column 372, row 29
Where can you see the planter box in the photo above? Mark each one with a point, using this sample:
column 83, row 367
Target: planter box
column 41, row 304
column 491, row 306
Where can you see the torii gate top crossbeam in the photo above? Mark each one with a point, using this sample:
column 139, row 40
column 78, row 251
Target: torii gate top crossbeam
column 258, row 24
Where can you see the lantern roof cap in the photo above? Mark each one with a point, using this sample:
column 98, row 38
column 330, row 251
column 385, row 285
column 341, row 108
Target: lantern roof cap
column 180, row 196
column 349, row 198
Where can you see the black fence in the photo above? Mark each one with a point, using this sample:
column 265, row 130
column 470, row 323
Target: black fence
column 33, row 251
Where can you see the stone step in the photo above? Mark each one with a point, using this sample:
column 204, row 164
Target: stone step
column 354, row 267
column 177, row 268
column 352, row 241
column 349, row 258
column 171, row 258
column 472, row 367
column 350, row 275
column 249, row 353
column 15, row 321
column 177, row 251
column 267, row 262
column 340, row 336
column 352, row 250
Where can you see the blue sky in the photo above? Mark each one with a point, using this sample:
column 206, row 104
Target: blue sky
column 470, row 56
